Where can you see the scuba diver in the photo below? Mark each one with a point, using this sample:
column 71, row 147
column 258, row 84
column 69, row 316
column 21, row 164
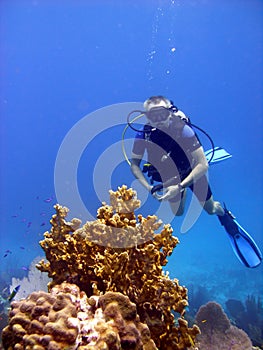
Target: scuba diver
column 176, row 161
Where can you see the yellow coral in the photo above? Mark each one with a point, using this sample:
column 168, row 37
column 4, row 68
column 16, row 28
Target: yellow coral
column 120, row 252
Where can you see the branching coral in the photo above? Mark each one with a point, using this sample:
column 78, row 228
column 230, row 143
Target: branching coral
column 217, row 333
column 122, row 253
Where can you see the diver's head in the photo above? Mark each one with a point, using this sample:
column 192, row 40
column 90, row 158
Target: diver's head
column 158, row 111
column 157, row 101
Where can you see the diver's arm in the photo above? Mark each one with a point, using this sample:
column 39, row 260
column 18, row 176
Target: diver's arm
column 200, row 167
column 136, row 170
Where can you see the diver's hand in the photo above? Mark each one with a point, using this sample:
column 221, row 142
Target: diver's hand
column 157, row 196
column 154, row 191
column 156, row 188
column 171, row 191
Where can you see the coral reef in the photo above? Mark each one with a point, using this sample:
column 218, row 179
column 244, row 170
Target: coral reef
column 249, row 317
column 217, row 333
column 66, row 319
column 121, row 252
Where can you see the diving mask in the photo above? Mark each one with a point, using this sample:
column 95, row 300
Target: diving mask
column 158, row 114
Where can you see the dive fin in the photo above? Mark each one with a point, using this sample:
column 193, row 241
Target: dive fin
column 242, row 243
column 219, row 154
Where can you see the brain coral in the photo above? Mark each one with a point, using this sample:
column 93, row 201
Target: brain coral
column 66, row 319
column 42, row 321
column 122, row 253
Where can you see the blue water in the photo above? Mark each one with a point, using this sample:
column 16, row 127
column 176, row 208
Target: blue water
column 62, row 61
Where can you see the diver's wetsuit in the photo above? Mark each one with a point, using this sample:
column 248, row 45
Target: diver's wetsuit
column 170, row 154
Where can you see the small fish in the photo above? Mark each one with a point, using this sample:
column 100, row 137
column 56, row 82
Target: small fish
column 48, row 200
column 4, row 291
column 7, row 252
column 14, row 216
column 29, row 224
column 25, row 268
column 22, row 247
column 203, row 321
column 43, row 224
column 13, row 293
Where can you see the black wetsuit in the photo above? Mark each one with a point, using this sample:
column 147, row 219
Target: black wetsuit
column 170, row 154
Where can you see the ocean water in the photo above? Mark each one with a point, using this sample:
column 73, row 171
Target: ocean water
column 71, row 71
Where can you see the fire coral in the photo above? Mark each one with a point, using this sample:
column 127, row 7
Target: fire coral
column 122, row 253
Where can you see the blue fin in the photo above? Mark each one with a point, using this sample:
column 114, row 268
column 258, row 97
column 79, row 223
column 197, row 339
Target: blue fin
column 242, row 243
column 219, row 155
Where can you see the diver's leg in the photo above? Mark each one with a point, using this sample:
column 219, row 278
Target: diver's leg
column 177, row 204
column 213, row 207
column 203, row 192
